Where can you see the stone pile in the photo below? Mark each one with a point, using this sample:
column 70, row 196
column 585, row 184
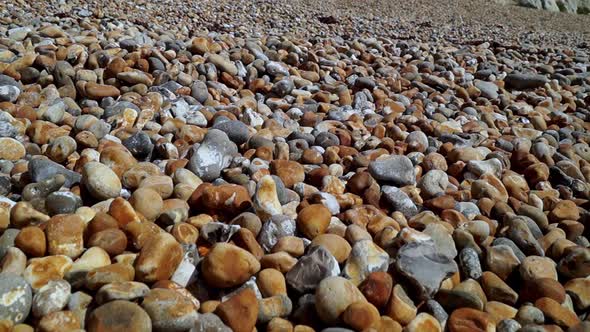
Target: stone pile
column 150, row 182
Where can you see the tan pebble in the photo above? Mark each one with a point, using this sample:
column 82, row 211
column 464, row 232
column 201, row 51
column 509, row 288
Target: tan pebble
column 185, row 233
column 423, row 322
column 557, row 313
column 336, row 245
column 11, row 149
column 274, row 306
column 470, row 320
column 14, row 261
column 31, row 240
column 278, row 324
column 100, row 276
column 240, row 312
column 579, row 290
column 148, row 202
column 59, row 321
column 499, row 311
column 271, row 282
column 290, row 172
column 23, row 214
column 65, row 235
column 112, row 240
column 313, row 220
column 122, row 211
column 290, row 244
column 227, row 265
column 535, row 267
column 246, row 240
column 361, row 315
column 401, row 308
column 333, row 295
column 41, row 270
column 161, row 184
column 114, row 317
column 158, row 258
column 281, row 261
column 209, row 306
column 22, row 328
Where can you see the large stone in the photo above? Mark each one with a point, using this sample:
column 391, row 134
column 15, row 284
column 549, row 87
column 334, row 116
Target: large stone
column 119, row 316
column 169, row 310
column 158, row 258
column 214, row 154
column 41, row 169
column 424, row 266
column 312, row 268
column 366, row 257
column 333, row 295
column 227, row 265
column 16, row 298
column 394, row 169
column 400, row 201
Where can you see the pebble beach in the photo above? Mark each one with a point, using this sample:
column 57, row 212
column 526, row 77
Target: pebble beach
column 293, row 166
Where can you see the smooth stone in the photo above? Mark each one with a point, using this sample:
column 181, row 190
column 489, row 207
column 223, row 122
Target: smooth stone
column 17, row 298
column 312, row 268
column 395, row 169
column 424, row 266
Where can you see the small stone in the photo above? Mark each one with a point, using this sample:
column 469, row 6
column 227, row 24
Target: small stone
column 11, row 149
column 400, row 201
column 271, row 282
column 59, row 321
column 119, row 316
column 65, row 235
column 401, row 308
column 240, row 312
column 535, row 267
column 560, row 315
column 227, row 265
column 501, row 260
column 126, row 290
column 579, row 290
column 525, row 81
column 273, row 307
column 311, row 269
column 377, row 288
column 470, row 320
column 424, row 322
column 421, row 263
column 169, row 310
column 41, row 270
column 209, row 322
column 101, row 181
column 17, row 298
column 313, row 220
column 158, row 258
column 395, row 169
column 333, row 295
column 213, row 155
column 497, row 290
column 361, row 315
column 31, row 240
column 52, row 297
column 366, row 257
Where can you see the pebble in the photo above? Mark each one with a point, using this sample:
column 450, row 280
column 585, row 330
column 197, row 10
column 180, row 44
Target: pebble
column 101, row 181
column 169, row 310
column 52, row 297
column 333, row 295
column 310, row 269
column 119, row 315
column 227, row 265
column 17, row 298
